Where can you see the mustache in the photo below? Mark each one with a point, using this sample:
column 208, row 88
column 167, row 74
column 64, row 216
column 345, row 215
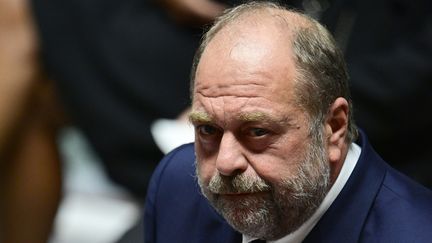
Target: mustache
column 240, row 183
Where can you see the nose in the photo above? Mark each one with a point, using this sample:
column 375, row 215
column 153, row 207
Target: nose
column 230, row 159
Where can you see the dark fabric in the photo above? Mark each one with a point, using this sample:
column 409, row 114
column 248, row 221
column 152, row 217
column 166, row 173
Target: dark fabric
column 378, row 204
column 134, row 234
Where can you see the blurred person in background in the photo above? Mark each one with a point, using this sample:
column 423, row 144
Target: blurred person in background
column 29, row 165
column 119, row 66
column 109, row 61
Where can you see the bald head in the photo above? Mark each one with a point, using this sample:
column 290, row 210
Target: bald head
column 320, row 74
column 257, row 16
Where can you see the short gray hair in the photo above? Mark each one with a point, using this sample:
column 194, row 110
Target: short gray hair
column 322, row 75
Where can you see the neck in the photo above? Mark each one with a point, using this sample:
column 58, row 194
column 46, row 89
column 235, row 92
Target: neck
column 335, row 167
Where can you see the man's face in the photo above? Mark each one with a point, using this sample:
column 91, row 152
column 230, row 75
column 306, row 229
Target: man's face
column 256, row 162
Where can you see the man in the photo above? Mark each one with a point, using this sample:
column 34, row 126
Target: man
column 275, row 153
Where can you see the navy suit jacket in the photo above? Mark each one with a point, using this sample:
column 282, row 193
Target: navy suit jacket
column 377, row 204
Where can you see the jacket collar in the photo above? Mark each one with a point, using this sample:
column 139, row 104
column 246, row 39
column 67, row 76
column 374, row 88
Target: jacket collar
column 343, row 221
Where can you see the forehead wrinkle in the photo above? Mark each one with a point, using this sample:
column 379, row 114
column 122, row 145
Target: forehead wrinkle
column 224, row 110
column 227, row 89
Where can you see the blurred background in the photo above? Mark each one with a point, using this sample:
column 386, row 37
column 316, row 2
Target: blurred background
column 93, row 93
column 93, row 208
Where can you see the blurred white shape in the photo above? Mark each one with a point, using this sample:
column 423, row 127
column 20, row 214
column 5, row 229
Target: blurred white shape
column 93, row 219
column 93, row 210
column 83, row 169
column 169, row 134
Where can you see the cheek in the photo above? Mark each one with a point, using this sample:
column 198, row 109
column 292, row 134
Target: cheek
column 273, row 169
column 205, row 169
column 278, row 164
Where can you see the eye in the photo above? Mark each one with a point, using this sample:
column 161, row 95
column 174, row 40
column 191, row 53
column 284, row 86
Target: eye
column 257, row 132
column 206, row 130
column 208, row 136
column 257, row 139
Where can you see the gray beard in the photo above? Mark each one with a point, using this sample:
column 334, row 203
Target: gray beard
column 277, row 210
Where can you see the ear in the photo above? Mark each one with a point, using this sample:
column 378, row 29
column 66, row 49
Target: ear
column 336, row 128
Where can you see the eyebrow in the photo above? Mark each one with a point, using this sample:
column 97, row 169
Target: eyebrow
column 262, row 117
column 200, row 117
column 255, row 116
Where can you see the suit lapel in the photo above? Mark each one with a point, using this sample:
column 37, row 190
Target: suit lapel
column 344, row 220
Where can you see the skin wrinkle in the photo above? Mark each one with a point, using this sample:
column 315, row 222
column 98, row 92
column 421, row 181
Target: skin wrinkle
column 232, row 49
column 211, row 90
column 246, row 100
column 212, row 107
column 233, row 96
column 224, row 111
column 248, row 74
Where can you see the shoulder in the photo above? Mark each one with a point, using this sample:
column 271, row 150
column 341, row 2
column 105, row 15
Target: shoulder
column 402, row 211
column 181, row 158
column 176, row 172
column 414, row 200
column 169, row 188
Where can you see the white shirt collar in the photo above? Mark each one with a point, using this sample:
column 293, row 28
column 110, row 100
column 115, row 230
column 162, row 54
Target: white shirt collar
column 300, row 234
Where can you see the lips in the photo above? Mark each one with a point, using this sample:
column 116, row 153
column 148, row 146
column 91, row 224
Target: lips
column 241, row 195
